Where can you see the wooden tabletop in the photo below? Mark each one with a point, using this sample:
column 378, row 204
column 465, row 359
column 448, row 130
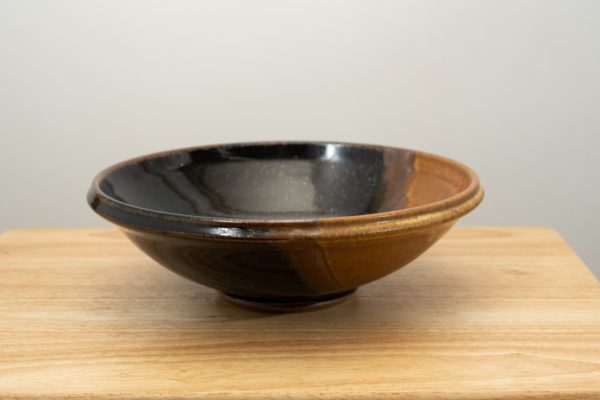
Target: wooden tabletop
column 486, row 313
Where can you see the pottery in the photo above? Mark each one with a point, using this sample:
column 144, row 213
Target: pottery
column 285, row 226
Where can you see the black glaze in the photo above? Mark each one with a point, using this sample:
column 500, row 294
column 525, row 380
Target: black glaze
column 292, row 181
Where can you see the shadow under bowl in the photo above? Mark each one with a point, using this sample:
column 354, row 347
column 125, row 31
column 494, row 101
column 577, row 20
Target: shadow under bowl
column 285, row 226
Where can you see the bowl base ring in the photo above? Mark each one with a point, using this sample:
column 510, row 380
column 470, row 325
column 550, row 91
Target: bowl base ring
column 279, row 306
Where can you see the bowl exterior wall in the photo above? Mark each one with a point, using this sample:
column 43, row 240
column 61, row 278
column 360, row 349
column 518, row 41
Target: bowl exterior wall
column 291, row 269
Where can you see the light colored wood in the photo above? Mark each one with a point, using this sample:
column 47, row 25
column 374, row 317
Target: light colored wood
column 486, row 313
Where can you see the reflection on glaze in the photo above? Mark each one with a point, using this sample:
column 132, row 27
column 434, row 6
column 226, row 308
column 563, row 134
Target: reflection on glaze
column 258, row 181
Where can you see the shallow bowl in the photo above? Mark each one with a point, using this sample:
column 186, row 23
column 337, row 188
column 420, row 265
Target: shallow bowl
column 285, row 226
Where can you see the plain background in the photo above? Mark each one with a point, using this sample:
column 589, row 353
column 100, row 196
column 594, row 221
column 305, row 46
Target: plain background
column 511, row 88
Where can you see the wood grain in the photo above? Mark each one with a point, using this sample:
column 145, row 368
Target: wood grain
column 487, row 313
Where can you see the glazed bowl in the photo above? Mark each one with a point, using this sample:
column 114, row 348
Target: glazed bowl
column 285, row 226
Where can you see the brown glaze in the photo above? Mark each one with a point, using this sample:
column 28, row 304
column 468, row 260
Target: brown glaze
column 285, row 225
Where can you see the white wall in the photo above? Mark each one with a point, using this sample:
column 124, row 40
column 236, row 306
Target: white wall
column 511, row 88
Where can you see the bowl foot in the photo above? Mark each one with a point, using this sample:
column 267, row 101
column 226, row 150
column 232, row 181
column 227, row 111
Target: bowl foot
column 288, row 306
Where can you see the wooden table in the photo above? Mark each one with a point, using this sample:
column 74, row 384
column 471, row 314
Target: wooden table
column 486, row 313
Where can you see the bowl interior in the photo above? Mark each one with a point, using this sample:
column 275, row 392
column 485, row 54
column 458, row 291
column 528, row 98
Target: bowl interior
column 284, row 181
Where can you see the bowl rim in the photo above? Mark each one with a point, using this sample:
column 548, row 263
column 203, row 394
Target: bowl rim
column 137, row 218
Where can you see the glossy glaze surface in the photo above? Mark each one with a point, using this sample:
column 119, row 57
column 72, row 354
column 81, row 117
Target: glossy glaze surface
column 267, row 182
column 285, row 223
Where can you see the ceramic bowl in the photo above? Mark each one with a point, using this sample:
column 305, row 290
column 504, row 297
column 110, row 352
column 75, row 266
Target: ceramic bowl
column 285, row 226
